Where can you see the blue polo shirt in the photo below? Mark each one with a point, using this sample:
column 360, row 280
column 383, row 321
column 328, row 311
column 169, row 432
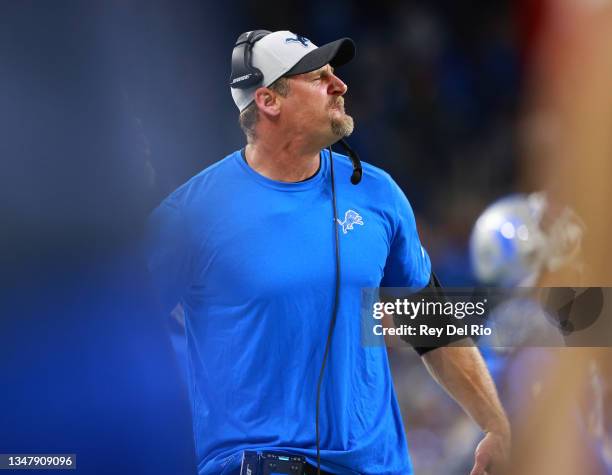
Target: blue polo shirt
column 252, row 260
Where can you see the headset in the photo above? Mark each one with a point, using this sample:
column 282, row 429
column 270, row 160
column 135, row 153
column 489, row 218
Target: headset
column 244, row 75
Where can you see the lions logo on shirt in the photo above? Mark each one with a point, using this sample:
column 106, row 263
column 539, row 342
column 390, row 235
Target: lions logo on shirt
column 350, row 219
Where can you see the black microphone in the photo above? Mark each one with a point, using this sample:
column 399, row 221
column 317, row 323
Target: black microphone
column 357, row 169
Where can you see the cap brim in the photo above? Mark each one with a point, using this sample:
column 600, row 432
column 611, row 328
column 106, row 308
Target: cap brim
column 336, row 53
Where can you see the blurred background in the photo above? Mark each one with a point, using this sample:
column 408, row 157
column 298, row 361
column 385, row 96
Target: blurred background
column 106, row 107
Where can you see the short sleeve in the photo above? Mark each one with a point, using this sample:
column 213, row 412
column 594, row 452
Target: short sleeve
column 169, row 253
column 408, row 264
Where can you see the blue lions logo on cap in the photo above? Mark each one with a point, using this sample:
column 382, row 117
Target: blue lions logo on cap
column 298, row 39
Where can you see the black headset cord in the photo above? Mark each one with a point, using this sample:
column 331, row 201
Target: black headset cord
column 332, row 322
column 355, row 179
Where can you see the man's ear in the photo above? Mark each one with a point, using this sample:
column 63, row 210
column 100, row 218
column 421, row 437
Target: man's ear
column 267, row 101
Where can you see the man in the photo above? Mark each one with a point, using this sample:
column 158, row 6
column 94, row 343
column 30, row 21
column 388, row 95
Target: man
column 248, row 247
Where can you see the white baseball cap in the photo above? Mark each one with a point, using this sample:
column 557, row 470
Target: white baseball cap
column 283, row 53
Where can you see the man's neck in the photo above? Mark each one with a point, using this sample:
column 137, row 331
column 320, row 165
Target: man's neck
column 287, row 162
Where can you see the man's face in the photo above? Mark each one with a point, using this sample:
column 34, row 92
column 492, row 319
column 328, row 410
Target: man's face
column 315, row 106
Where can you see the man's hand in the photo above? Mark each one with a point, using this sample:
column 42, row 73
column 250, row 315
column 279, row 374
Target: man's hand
column 492, row 454
column 462, row 372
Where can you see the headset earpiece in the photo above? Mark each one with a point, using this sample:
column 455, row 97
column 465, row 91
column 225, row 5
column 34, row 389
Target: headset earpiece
column 244, row 74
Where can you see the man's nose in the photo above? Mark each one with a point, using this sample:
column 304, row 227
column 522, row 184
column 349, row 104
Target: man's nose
column 337, row 86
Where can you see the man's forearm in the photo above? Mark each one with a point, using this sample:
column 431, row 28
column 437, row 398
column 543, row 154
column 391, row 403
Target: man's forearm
column 462, row 372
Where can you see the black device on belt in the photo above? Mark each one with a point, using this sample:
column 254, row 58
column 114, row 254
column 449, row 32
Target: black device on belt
column 270, row 463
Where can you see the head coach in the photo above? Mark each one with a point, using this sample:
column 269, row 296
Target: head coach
column 268, row 250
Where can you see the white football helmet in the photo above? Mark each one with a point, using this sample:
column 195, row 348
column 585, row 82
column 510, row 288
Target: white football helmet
column 510, row 246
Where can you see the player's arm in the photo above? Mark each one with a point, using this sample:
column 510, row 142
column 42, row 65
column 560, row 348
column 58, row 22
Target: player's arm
column 462, row 372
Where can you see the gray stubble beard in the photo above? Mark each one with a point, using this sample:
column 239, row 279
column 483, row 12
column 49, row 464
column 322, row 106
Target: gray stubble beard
column 342, row 127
